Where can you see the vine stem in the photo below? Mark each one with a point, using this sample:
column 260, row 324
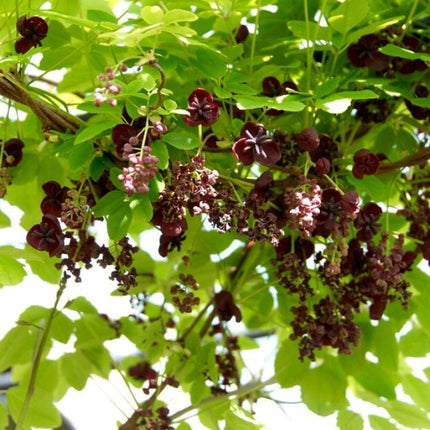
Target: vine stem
column 240, row 392
column 254, row 38
column 36, row 362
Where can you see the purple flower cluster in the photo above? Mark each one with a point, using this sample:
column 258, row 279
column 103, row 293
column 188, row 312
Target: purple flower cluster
column 191, row 187
column 141, row 170
column 109, row 89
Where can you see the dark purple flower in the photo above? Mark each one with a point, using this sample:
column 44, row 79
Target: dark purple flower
column 226, row 308
column 241, row 33
column 366, row 221
column 256, row 145
column 12, row 152
column 33, row 30
column 55, row 196
column 308, row 139
column 365, row 53
column 365, row 163
column 203, row 110
column 47, row 236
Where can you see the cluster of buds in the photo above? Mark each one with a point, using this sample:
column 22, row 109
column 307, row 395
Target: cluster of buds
column 141, row 169
column 109, row 88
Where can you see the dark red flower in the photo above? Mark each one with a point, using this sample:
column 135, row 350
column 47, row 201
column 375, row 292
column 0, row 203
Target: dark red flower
column 55, row 196
column 308, row 139
column 366, row 221
column 303, row 248
column 226, row 308
column 365, row 53
column 33, row 30
column 256, row 145
column 12, row 152
column 203, row 110
column 47, row 236
column 241, row 33
column 365, row 163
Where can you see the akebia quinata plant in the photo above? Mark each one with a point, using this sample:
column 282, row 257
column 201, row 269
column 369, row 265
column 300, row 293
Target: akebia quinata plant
column 281, row 154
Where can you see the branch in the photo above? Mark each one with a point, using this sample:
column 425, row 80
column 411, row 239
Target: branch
column 50, row 117
column 409, row 161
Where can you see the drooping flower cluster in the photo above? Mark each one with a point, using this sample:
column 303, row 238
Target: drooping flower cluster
column 192, row 188
column 33, row 30
column 141, row 170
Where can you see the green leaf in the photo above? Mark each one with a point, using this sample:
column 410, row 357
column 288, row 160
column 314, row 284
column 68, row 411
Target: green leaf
column 90, row 132
column 109, row 203
column 178, row 15
column 348, row 15
column 408, row 415
column 62, row 327
column 286, row 103
column 374, row 378
column 238, row 419
column 142, row 207
column 182, row 140
column 41, row 412
column 385, row 345
column 415, row 343
column 76, row 369
column 251, row 102
column 211, row 63
column 119, row 221
column 310, row 30
column 97, row 15
column 4, row 220
column 397, row 51
column 348, row 420
column 159, row 149
column 418, row 390
column 315, row 393
column 11, row 271
column 17, row 346
column 92, row 330
column 42, row 264
column 340, row 102
column 80, row 155
column 4, row 416
column 327, row 87
column 81, row 305
column 380, row 423
column 152, row 14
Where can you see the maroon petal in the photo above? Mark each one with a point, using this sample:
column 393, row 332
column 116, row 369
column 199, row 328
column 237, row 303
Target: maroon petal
column 267, row 154
column 23, row 45
column 243, row 152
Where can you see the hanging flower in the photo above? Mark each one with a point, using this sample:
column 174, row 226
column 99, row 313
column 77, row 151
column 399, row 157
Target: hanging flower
column 33, row 30
column 256, row 145
column 47, row 236
column 203, row 110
